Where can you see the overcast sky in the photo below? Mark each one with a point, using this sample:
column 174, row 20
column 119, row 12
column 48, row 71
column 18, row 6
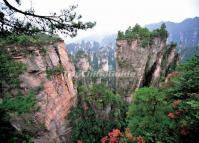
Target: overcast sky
column 114, row 15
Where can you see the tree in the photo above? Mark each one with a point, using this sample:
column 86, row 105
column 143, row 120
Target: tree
column 185, row 97
column 120, row 35
column 10, row 71
column 13, row 19
column 169, row 114
column 98, row 111
column 147, row 116
column 163, row 34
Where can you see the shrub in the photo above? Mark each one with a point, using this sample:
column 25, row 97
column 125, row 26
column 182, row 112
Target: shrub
column 98, row 111
column 19, row 104
column 54, row 71
column 147, row 116
column 27, row 40
column 10, row 71
column 8, row 134
column 184, row 96
column 169, row 114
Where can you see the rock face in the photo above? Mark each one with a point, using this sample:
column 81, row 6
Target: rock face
column 103, row 59
column 55, row 92
column 83, row 64
column 142, row 66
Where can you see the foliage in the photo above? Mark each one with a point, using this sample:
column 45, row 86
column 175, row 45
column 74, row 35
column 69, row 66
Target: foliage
column 10, row 71
column 98, row 112
column 9, row 79
column 185, row 97
column 19, row 104
column 147, row 116
column 15, row 20
column 79, row 54
column 161, row 32
column 27, row 40
column 54, row 71
column 116, row 136
column 8, row 134
column 122, row 63
column 169, row 114
column 143, row 34
column 113, row 137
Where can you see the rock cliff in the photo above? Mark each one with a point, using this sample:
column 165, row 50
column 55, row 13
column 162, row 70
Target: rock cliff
column 103, row 60
column 50, row 73
column 83, row 64
column 139, row 66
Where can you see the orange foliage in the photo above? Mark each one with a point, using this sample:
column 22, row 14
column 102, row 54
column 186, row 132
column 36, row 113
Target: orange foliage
column 171, row 115
column 128, row 135
column 105, row 139
column 115, row 135
column 140, row 139
column 176, row 103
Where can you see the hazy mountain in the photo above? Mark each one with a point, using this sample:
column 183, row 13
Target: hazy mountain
column 185, row 34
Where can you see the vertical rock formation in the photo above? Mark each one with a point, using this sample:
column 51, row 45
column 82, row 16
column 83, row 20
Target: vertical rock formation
column 103, row 59
column 50, row 74
column 83, row 64
column 144, row 65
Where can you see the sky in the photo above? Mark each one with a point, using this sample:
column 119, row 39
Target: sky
column 114, row 15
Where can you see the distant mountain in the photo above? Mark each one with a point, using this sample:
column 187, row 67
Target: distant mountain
column 185, row 34
column 96, row 50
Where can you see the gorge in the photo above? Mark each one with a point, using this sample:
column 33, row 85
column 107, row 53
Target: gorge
column 54, row 101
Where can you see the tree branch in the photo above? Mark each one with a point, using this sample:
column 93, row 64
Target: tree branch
column 25, row 13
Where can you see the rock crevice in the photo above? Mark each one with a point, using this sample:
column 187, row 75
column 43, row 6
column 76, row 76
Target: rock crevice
column 146, row 65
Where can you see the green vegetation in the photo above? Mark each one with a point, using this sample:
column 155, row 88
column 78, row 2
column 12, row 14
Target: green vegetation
column 147, row 116
column 19, row 104
column 79, row 54
column 54, row 71
column 28, row 40
column 98, row 111
column 169, row 114
column 123, row 63
column 143, row 34
column 19, row 29
column 9, row 103
column 185, row 93
column 8, row 134
column 10, row 71
column 28, row 21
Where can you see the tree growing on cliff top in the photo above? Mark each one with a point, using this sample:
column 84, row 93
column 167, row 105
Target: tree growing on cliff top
column 143, row 34
column 13, row 19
